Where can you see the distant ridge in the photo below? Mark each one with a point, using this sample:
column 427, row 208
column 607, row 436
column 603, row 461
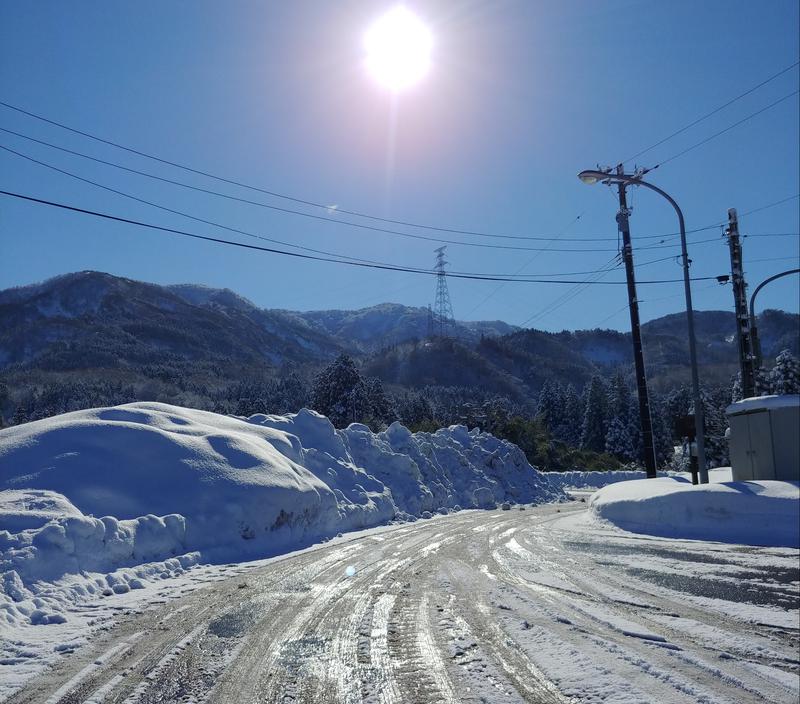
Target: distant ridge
column 193, row 339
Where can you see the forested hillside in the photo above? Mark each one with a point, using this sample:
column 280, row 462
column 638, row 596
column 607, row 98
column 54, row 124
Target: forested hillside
column 90, row 339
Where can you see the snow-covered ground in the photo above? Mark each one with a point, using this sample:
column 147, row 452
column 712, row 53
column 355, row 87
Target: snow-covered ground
column 542, row 605
column 749, row 513
column 108, row 501
column 110, row 516
column 593, row 479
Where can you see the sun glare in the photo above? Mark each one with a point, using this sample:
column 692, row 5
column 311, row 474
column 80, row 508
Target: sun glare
column 398, row 49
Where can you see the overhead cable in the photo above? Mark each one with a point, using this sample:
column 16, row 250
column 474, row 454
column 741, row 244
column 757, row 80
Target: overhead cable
column 299, row 255
column 713, row 112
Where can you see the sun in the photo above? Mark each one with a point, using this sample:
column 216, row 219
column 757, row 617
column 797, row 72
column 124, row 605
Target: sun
column 398, row 49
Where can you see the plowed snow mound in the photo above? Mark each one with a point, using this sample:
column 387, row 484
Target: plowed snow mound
column 751, row 513
column 170, row 480
column 236, row 484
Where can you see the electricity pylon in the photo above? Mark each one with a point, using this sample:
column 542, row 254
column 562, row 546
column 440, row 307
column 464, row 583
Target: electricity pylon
column 443, row 309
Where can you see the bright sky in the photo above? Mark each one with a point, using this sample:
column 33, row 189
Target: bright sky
column 518, row 98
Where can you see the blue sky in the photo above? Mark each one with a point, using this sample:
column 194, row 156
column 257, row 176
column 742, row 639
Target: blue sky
column 521, row 96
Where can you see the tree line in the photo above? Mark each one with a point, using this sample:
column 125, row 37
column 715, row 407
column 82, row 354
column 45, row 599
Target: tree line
column 565, row 428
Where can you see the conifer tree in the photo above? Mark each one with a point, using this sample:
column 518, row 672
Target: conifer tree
column 619, row 400
column 785, row 375
column 662, row 434
column 20, row 416
column 339, row 392
column 572, row 417
column 293, row 393
column 736, row 388
column 593, row 435
column 550, row 408
column 763, row 382
column 381, row 410
column 618, row 441
column 635, row 428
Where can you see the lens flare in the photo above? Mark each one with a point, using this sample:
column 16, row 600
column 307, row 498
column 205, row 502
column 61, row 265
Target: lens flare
column 398, row 49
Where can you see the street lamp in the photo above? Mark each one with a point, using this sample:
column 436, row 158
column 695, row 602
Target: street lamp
column 590, row 177
column 754, row 341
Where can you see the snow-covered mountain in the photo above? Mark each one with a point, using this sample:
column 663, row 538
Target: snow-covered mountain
column 67, row 314
column 391, row 323
column 89, row 319
column 188, row 340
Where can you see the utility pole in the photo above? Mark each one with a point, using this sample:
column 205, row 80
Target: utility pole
column 592, row 176
column 743, row 329
column 636, row 333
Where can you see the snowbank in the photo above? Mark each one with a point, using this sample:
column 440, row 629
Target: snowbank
column 233, row 485
column 750, row 513
column 169, row 481
column 22, row 510
column 594, row 479
column 599, row 479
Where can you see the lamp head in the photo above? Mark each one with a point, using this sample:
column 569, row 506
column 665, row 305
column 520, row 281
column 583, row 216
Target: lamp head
column 589, row 177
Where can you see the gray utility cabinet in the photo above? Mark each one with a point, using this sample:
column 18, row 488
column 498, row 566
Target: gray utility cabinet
column 765, row 438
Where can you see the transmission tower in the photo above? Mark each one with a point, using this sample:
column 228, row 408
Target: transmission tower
column 443, row 309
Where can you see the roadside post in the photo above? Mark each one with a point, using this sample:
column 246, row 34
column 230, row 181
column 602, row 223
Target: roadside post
column 685, row 429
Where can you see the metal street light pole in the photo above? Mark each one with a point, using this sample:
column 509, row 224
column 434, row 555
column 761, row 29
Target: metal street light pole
column 594, row 176
column 754, row 341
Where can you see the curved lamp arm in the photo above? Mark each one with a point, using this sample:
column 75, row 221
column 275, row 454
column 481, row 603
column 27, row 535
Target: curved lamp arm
column 755, row 342
column 764, row 283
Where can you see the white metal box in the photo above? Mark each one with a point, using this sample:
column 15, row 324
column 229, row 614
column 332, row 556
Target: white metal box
column 765, row 438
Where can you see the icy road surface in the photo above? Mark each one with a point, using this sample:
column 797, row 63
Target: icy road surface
column 538, row 605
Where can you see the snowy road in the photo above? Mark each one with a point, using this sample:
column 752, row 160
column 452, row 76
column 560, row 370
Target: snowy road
column 519, row 606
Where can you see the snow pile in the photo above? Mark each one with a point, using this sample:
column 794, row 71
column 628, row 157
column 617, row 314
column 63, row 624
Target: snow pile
column 450, row 468
column 168, row 481
column 21, row 510
column 750, row 513
column 593, row 479
column 73, row 543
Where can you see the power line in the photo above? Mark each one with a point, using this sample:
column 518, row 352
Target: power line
column 717, row 239
column 240, row 184
column 178, row 212
column 326, row 219
column 205, row 221
column 772, row 259
column 337, row 221
column 174, row 211
column 530, row 261
column 566, row 297
column 723, row 131
column 614, row 314
column 316, row 217
column 773, row 234
column 769, row 205
column 679, row 295
column 653, row 300
column 713, row 112
column 299, row 255
column 207, row 191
